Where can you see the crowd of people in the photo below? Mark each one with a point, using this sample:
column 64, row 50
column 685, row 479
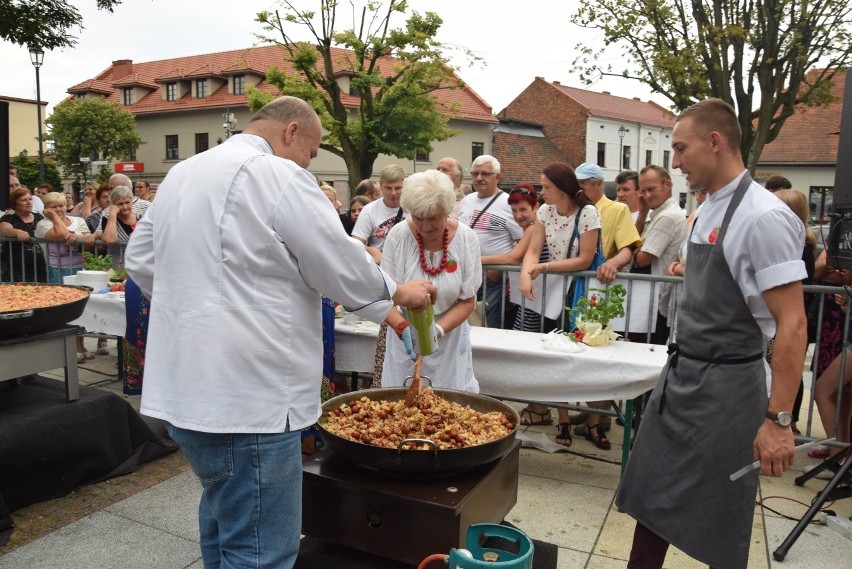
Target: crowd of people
column 414, row 240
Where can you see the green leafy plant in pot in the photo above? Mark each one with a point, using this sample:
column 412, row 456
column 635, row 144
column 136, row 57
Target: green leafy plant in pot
column 594, row 312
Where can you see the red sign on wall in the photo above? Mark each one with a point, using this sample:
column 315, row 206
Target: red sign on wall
column 129, row 167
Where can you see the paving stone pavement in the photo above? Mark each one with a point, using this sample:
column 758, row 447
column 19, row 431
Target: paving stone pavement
column 148, row 519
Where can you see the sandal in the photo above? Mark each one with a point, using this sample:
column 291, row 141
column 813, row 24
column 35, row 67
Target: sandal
column 595, row 434
column 88, row 355
column 81, row 357
column 102, row 348
column 543, row 418
column 563, row 437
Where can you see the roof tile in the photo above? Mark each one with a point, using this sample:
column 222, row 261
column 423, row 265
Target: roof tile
column 154, row 73
column 522, row 157
column 811, row 135
column 621, row 108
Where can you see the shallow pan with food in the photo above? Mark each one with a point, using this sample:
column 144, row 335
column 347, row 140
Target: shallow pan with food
column 432, row 461
column 36, row 314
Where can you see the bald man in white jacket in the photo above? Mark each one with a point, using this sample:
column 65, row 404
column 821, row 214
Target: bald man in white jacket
column 234, row 256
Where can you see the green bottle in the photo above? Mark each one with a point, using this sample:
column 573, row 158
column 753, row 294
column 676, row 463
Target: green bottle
column 423, row 330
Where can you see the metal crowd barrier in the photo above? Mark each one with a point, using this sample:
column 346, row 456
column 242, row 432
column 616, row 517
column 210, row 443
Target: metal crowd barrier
column 9, row 268
column 14, row 265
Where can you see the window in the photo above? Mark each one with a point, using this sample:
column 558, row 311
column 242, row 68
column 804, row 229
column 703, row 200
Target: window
column 131, row 155
column 602, row 154
column 625, row 158
column 239, row 84
column 172, row 147
column 171, row 91
column 666, row 157
column 477, row 149
column 127, row 96
column 648, row 154
column 421, row 156
column 201, row 88
column 821, row 200
column 202, row 142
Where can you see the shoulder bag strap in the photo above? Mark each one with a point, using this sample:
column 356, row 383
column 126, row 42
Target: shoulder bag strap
column 576, row 234
column 483, row 210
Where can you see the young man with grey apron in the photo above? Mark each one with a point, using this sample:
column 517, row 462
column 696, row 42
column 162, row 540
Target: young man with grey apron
column 703, row 417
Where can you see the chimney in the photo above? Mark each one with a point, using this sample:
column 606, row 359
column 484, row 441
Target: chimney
column 606, row 93
column 121, row 68
column 637, row 99
column 557, row 83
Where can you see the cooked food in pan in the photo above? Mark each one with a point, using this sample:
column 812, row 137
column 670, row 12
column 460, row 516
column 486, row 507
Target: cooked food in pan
column 15, row 297
column 386, row 423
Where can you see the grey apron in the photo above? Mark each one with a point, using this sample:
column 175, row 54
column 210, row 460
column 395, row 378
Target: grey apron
column 702, row 418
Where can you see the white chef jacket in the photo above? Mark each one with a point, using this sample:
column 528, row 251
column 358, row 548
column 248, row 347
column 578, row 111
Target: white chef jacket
column 759, row 256
column 234, row 256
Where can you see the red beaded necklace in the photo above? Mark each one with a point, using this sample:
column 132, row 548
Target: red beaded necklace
column 444, row 256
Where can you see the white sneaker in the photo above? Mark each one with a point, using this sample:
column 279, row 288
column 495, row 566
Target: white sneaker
column 826, row 474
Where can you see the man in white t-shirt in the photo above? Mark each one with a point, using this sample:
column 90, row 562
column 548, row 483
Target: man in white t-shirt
column 379, row 216
column 662, row 238
column 488, row 212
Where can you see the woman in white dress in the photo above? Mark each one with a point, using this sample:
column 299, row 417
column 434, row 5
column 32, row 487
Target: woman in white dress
column 431, row 246
column 566, row 209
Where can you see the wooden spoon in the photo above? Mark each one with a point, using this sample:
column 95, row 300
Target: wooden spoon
column 414, row 388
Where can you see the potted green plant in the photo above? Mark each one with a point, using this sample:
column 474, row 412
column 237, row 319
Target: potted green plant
column 594, row 312
column 92, row 262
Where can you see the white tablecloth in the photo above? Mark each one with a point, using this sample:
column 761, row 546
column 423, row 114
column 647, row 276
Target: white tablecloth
column 507, row 364
column 104, row 314
column 514, row 365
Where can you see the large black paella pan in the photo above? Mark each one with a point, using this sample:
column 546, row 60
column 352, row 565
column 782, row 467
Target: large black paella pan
column 433, row 461
column 26, row 308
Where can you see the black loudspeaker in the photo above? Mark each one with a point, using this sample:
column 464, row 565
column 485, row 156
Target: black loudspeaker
column 840, row 238
column 4, row 155
column 843, row 172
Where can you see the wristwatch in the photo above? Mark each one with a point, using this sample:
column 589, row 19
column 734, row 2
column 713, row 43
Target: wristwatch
column 783, row 418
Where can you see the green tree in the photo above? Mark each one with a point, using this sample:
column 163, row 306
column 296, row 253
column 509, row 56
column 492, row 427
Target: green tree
column 91, row 127
column 43, row 23
column 397, row 112
column 28, row 171
column 764, row 57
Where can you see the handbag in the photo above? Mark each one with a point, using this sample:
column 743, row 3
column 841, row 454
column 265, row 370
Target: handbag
column 578, row 284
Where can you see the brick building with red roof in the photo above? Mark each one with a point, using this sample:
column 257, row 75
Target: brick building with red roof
column 617, row 133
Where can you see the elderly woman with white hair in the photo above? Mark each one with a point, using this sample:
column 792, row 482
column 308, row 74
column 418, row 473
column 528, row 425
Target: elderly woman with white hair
column 431, row 246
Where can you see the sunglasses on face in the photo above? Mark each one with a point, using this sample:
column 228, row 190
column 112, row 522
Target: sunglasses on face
column 522, row 191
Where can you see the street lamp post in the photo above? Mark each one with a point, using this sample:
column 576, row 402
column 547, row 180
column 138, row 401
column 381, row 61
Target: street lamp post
column 229, row 124
column 621, row 132
column 88, row 169
column 37, row 57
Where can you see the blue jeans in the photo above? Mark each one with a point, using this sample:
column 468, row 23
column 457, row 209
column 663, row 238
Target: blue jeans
column 494, row 293
column 250, row 514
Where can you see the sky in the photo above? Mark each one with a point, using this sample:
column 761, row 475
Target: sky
column 536, row 39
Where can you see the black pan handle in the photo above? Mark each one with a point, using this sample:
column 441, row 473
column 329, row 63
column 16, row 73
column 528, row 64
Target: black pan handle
column 17, row 315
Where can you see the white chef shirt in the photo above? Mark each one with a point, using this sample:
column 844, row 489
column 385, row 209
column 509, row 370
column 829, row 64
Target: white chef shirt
column 234, row 255
column 759, row 255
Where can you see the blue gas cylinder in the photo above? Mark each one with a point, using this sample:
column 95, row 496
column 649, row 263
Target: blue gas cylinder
column 493, row 546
